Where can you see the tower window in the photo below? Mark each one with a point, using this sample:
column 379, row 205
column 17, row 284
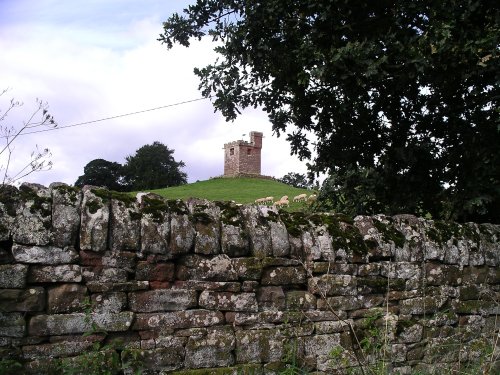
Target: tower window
column 231, row 151
column 249, row 151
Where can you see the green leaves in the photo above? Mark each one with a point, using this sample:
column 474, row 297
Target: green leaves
column 404, row 89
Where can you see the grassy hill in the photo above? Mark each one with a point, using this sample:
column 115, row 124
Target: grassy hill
column 240, row 190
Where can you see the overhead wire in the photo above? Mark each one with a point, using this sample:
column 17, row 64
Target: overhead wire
column 110, row 117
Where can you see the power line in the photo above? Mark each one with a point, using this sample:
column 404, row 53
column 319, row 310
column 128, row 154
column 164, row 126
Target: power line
column 111, row 117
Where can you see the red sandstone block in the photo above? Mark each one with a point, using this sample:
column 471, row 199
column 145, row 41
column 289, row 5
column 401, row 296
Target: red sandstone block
column 90, row 258
column 159, row 285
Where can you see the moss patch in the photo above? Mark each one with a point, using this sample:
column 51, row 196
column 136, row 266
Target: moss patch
column 390, row 233
column 248, row 369
column 295, row 222
column 107, row 195
column 9, row 196
column 42, row 205
column 177, row 206
column 71, row 192
column 230, row 213
column 155, row 207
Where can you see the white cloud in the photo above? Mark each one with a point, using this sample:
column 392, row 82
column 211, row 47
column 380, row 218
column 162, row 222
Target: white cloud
column 108, row 62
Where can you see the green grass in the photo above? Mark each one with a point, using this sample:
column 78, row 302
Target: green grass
column 240, row 190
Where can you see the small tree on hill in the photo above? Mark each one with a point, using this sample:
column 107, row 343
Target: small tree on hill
column 100, row 172
column 296, row 180
column 153, row 167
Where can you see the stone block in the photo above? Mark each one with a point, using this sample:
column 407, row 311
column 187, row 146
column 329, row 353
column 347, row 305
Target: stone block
column 400, row 270
column 218, row 268
column 279, row 239
column 60, row 349
column 65, row 324
column 13, row 275
column 259, row 346
column 256, row 221
column 318, row 345
column 271, row 298
column 333, row 285
column 33, row 216
column 67, row 298
column 125, row 223
column 227, row 301
column 155, row 272
column 221, row 286
column 67, row 273
column 477, row 307
column 182, row 234
column 162, row 300
column 248, row 268
column 261, row 318
column 437, row 274
column 379, row 285
column 113, row 259
column 177, row 320
column 94, row 221
column 155, row 361
column 214, row 349
column 155, row 224
column 9, row 205
column 234, row 240
column 346, row 303
column 422, row 305
column 66, row 202
column 300, row 300
column 12, row 324
column 126, row 286
column 409, row 331
column 109, row 303
column 284, row 276
column 23, row 300
column 44, row 255
column 206, row 218
column 104, row 275
column 333, row 326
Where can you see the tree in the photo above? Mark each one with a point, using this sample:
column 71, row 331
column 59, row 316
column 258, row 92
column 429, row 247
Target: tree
column 405, row 91
column 100, row 172
column 296, row 180
column 39, row 159
column 154, row 167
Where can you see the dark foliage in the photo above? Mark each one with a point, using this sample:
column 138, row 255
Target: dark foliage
column 154, row 167
column 100, row 172
column 401, row 97
column 296, row 180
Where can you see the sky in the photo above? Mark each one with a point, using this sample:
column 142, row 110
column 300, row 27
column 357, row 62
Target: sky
column 95, row 59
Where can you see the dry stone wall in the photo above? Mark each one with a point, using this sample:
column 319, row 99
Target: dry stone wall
column 162, row 286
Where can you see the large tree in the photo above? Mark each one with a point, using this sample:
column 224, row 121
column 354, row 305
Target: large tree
column 100, row 172
column 154, row 167
column 402, row 94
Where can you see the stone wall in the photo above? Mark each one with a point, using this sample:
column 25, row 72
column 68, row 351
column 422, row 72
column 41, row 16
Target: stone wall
column 88, row 276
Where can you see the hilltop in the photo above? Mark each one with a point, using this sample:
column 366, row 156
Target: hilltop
column 241, row 190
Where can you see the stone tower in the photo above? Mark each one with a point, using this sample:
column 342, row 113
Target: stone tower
column 243, row 158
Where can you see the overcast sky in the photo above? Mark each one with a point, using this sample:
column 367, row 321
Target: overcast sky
column 94, row 59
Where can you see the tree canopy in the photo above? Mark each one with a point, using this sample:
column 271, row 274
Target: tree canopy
column 151, row 167
column 154, row 167
column 100, row 172
column 395, row 98
column 297, row 180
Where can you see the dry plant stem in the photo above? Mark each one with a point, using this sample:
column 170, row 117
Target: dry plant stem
column 351, row 328
column 387, row 312
column 37, row 162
